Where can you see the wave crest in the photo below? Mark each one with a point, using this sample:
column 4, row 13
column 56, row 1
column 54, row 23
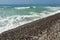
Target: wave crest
column 14, row 21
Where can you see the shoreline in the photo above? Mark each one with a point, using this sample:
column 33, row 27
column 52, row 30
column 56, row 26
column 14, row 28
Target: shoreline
column 30, row 30
column 9, row 28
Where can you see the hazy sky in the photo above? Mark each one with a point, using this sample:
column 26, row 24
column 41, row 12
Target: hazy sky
column 29, row 1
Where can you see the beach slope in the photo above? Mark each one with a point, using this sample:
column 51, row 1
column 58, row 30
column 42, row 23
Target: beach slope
column 46, row 28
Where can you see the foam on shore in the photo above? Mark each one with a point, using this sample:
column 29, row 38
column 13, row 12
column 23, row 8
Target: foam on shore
column 9, row 25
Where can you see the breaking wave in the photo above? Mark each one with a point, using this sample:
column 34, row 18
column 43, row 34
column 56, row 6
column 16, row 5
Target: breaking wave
column 24, row 7
column 10, row 22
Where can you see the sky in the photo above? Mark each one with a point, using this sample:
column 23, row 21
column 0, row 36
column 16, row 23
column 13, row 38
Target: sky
column 29, row 1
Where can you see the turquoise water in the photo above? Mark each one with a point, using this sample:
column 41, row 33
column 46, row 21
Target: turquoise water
column 12, row 16
column 13, row 11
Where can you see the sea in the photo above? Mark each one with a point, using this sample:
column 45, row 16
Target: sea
column 12, row 16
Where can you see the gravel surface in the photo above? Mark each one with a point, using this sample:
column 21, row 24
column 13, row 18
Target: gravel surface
column 42, row 29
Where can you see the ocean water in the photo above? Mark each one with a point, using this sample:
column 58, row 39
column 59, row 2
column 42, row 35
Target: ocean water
column 14, row 16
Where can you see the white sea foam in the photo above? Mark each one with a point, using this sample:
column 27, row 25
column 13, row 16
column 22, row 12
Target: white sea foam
column 14, row 21
column 22, row 7
column 17, row 20
column 53, row 8
column 33, row 6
